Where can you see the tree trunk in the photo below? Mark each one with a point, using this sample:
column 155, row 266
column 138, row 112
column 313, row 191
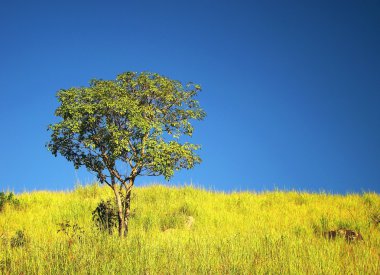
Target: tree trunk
column 127, row 210
column 121, row 218
column 127, row 207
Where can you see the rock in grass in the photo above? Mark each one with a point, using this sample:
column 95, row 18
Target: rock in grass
column 348, row 234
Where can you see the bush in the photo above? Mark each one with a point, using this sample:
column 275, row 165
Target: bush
column 8, row 199
column 105, row 216
column 19, row 239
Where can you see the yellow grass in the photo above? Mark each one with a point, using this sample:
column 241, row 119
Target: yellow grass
column 237, row 233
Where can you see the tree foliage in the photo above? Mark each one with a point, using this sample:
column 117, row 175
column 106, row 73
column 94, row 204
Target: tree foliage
column 137, row 120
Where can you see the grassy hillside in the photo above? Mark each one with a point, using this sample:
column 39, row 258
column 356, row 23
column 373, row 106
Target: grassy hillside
column 191, row 231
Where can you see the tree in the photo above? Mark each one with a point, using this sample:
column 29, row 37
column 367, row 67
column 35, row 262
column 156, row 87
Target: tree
column 129, row 127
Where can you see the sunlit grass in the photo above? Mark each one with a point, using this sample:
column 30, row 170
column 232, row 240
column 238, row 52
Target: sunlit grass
column 237, row 233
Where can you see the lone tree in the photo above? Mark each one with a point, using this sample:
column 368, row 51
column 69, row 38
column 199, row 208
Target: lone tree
column 129, row 127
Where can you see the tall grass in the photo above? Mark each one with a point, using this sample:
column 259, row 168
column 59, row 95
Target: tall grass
column 237, row 233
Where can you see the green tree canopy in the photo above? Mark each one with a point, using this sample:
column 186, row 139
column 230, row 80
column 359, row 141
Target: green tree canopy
column 136, row 120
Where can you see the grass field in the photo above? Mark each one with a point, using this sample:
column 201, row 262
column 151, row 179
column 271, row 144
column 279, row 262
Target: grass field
column 185, row 230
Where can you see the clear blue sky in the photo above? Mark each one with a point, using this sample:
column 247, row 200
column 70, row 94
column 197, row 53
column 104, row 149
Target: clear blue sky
column 291, row 88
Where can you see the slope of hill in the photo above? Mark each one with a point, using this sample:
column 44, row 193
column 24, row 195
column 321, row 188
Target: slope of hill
column 181, row 230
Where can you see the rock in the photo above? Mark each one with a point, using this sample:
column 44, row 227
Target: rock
column 351, row 235
column 348, row 234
